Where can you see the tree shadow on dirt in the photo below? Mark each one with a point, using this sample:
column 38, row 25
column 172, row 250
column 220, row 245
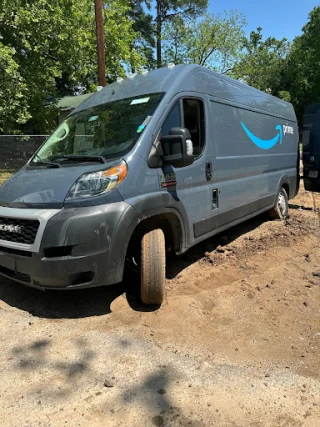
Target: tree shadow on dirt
column 97, row 301
column 37, row 358
column 54, row 377
column 33, row 356
column 154, row 394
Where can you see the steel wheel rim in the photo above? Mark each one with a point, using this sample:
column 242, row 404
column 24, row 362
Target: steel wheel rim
column 282, row 204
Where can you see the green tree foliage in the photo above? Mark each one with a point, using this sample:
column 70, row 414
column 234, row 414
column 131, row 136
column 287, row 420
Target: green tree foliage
column 52, row 48
column 301, row 77
column 143, row 26
column 48, row 50
column 214, row 41
column 26, row 32
column 167, row 10
column 175, row 41
column 263, row 62
column 13, row 92
column 120, row 39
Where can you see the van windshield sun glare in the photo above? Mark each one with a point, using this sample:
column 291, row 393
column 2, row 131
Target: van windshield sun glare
column 95, row 134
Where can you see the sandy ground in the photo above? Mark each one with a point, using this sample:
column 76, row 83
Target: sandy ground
column 236, row 343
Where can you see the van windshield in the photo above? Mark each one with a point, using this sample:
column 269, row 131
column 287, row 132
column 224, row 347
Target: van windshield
column 104, row 131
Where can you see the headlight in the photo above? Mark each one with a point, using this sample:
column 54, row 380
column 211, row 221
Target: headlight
column 96, row 183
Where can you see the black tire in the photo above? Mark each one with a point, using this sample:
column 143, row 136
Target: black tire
column 281, row 210
column 153, row 267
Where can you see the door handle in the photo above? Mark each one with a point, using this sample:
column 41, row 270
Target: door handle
column 209, row 171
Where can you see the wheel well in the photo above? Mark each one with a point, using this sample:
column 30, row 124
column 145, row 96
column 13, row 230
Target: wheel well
column 170, row 225
column 287, row 188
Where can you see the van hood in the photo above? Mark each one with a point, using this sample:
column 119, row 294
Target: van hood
column 43, row 187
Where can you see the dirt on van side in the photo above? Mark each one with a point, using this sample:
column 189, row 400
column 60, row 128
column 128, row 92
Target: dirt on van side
column 237, row 342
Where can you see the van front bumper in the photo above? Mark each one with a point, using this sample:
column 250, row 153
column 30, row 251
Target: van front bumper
column 74, row 248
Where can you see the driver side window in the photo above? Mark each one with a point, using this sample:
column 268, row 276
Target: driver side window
column 188, row 113
column 173, row 119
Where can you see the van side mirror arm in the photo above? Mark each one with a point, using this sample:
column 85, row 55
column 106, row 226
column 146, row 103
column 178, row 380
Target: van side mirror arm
column 155, row 155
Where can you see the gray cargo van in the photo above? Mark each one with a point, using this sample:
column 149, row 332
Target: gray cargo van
column 311, row 148
column 158, row 161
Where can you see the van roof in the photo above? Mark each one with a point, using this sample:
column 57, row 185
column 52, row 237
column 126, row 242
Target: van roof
column 191, row 78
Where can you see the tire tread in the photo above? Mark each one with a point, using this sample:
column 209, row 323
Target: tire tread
column 153, row 265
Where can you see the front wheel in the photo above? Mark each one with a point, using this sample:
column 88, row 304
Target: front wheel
column 153, row 267
column 281, row 210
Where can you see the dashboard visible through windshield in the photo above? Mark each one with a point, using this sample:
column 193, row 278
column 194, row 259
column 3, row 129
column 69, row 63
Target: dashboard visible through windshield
column 102, row 132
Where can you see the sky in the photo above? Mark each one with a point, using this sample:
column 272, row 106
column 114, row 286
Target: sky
column 277, row 18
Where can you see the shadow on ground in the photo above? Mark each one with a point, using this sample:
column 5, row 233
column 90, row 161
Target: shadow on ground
column 72, row 372
column 301, row 207
column 97, row 301
column 34, row 356
column 38, row 360
column 59, row 304
column 154, row 394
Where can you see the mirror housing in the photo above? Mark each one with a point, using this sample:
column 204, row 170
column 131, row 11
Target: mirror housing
column 176, row 149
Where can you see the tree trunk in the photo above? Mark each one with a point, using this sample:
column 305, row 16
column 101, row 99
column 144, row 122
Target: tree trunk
column 158, row 32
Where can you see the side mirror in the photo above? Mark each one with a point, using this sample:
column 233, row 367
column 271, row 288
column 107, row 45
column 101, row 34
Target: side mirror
column 177, row 148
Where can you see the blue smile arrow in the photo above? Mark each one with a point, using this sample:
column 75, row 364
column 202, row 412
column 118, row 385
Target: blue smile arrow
column 265, row 144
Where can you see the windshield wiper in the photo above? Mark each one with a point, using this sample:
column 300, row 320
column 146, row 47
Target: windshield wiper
column 81, row 157
column 42, row 162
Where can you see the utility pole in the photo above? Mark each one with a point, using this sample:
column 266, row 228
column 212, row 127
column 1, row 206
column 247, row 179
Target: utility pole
column 100, row 42
column 158, row 34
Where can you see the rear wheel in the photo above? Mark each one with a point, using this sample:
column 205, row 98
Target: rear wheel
column 281, row 210
column 153, row 267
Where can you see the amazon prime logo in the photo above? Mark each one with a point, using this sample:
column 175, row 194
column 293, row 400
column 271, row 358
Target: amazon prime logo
column 266, row 144
column 11, row 228
column 287, row 129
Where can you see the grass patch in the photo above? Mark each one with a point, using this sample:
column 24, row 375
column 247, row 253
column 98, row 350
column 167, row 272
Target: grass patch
column 5, row 174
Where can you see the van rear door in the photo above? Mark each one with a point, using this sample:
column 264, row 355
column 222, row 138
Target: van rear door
column 311, row 148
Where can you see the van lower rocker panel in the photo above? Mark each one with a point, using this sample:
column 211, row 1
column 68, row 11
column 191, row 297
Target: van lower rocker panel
column 206, row 225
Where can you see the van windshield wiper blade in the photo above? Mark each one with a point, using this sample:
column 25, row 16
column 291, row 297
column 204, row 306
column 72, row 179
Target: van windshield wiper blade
column 81, row 157
column 42, row 162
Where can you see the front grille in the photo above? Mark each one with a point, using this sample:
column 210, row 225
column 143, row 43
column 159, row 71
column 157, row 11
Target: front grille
column 19, row 230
